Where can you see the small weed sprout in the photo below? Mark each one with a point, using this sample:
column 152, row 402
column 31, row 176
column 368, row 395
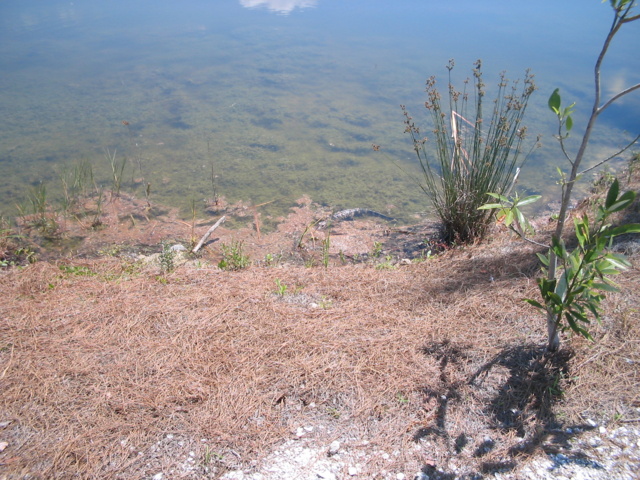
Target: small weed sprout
column 77, row 271
column 281, row 288
column 210, row 456
column 271, row 259
column 193, row 241
column 233, row 257
column 334, row 412
column 387, row 264
column 377, row 249
column 325, row 303
column 425, row 255
column 326, row 245
column 166, row 258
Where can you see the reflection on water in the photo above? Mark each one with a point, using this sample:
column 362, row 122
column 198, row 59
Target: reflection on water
column 283, row 7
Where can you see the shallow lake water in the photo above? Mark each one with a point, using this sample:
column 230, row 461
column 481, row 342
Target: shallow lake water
column 267, row 100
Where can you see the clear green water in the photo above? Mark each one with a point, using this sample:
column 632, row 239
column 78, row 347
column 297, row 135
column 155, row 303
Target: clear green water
column 277, row 106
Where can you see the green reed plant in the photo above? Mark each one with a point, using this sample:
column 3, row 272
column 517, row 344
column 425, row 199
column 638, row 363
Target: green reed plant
column 38, row 201
column 77, row 182
column 96, row 222
column 474, row 153
column 326, row 246
column 37, row 212
column 117, row 171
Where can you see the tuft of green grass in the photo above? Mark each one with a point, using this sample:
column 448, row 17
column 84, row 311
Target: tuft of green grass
column 77, row 270
column 281, row 288
column 233, row 256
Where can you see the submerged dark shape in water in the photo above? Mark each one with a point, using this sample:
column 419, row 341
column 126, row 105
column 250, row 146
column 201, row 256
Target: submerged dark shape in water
column 352, row 213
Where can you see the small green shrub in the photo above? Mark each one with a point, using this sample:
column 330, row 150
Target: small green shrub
column 166, row 258
column 584, row 272
column 377, row 249
column 233, row 256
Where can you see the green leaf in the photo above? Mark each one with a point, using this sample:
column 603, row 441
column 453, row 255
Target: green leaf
column 490, row 206
column 534, row 303
column 612, row 194
column 622, row 229
column 555, row 298
column 502, row 198
column 579, row 316
column 623, row 202
column 580, row 231
column 605, row 286
column 528, row 200
column 544, row 259
column 617, row 260
column 554, row 101
column 569, row 123
column 508, row 219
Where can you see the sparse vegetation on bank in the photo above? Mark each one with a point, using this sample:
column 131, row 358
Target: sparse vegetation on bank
column 109, row 373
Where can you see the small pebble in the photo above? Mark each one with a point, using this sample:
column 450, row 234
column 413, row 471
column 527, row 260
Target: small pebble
column 595, row 441
column 353, row 471
column 334, row 448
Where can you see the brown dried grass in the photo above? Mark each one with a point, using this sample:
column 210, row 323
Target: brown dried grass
column 120, row 374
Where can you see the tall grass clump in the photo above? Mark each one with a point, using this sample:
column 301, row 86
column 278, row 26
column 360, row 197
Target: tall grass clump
column 473, row 154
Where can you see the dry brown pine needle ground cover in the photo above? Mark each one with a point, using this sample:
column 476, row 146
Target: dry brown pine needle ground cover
column 111, row 371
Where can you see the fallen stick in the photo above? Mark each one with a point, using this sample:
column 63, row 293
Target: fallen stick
column 206, row 235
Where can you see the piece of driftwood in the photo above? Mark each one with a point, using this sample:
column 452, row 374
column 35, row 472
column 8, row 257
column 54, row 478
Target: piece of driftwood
column 206, row 236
